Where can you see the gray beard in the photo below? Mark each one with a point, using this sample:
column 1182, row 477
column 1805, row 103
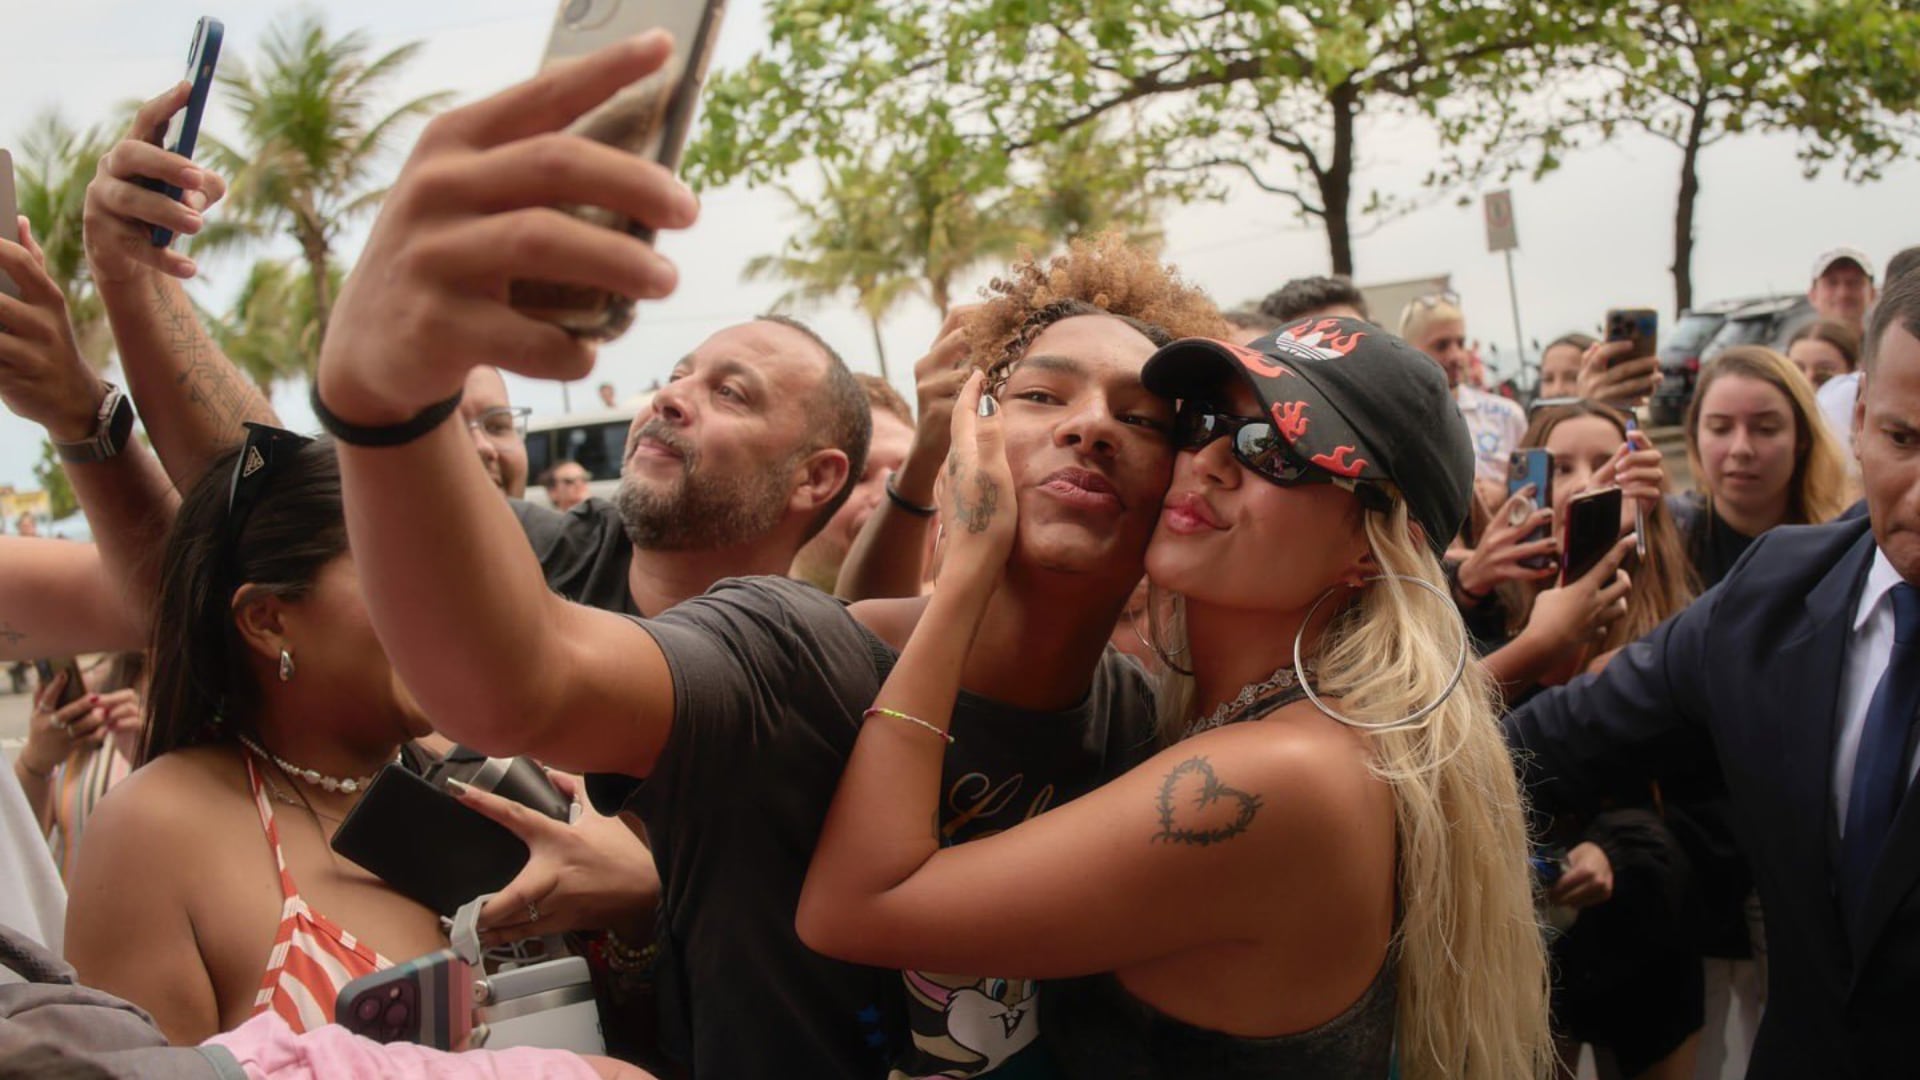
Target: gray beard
column 701, row 512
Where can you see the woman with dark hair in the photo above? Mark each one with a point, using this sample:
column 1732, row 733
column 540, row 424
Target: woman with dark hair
column 74, row 754
column 1761, row 457
column 271, row 706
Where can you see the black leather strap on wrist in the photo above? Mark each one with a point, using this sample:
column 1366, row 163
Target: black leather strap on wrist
column 904, row 503
column 385, row 435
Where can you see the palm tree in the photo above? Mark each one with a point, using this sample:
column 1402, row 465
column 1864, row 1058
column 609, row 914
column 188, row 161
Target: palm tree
column 1087, row 184
column 847, row 240
column 56, row 162
column 311, row 138
column 271, row 333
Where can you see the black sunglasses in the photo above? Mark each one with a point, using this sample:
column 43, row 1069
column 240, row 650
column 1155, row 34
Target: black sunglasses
column 1258, row 445
column 265, row 451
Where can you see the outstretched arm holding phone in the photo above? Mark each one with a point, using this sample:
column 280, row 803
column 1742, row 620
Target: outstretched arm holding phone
column 191, row 397
column 506, row 668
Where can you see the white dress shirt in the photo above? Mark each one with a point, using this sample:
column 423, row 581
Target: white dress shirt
column 1867, row 655
column 1836, row 400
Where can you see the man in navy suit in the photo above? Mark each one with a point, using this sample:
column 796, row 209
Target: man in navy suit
column 1797, row 679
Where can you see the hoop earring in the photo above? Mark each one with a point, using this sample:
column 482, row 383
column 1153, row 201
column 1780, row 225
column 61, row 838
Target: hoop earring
column 286, row 665
column 1151, row 639
column 1459, row 667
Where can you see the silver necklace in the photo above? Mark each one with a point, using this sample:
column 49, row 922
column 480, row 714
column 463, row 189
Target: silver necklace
column 318, row 779
column 1282, row 679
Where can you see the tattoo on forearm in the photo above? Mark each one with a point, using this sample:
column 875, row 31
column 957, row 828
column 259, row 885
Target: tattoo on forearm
column 11, row 636
column 1196, row 808
column 210, row 386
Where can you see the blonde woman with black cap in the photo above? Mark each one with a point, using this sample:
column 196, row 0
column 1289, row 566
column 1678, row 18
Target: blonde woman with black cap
column 1325, row 872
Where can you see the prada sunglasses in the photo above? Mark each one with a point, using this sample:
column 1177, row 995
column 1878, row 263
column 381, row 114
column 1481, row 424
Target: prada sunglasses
column 1258, row 445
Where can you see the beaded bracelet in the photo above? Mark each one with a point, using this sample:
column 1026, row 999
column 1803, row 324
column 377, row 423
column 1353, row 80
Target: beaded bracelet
column 877, row 711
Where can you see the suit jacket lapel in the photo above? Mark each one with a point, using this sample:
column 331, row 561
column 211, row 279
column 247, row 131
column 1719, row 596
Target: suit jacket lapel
column 1814, row 663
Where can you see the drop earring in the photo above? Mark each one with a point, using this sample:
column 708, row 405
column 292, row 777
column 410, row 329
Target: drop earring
column 286, row 665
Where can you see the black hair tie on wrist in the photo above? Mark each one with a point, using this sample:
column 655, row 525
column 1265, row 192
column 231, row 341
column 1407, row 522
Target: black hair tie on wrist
column 903, row 503
column 385, row 435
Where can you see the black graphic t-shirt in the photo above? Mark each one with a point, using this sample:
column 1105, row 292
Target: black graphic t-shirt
column 770, row 679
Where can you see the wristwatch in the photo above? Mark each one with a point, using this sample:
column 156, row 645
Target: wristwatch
column 111, row 429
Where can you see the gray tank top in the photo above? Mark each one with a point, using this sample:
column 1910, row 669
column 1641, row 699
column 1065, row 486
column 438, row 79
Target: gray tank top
column 1099, row 1031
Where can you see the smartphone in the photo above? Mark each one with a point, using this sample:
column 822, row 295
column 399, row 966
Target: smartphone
column 9, row 218
column 428, row 1001
column 1592, row 528
column 1533, row 467
column 76, row 687
column 650, row 118
column 183, row 130
column 1638, row 325
column 426, row 844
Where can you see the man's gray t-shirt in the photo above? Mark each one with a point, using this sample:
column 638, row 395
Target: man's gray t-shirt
column 770, row 678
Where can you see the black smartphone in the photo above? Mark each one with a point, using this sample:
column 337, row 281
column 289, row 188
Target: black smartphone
column 76, row 687
column 427, row 844
column 650, row 118
column 183, row 131
column 428, row 1000
column 1592, row 528
column 1533, row 467
column 1638, row 325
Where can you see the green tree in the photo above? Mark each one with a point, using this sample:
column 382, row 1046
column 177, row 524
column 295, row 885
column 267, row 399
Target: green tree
column 847, row 240
column 53, row 480
column 1694, row 73
column 55, row 164
column 312, row 135
column 272, row 333
column 1252, row 86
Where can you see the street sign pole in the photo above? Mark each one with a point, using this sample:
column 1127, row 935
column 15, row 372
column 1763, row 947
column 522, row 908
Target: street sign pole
column 1503, row 236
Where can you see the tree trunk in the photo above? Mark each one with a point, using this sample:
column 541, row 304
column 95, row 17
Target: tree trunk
column 313, row 247
column 1683, row 211
column 880, row 350
column 1336, row 181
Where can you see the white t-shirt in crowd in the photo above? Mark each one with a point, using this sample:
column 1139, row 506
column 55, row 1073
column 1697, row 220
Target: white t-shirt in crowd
column 1497, row 426
column 32, row 900
column 1836, row 400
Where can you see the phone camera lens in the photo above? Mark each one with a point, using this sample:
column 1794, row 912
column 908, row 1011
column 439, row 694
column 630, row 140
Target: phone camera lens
column 582, row 14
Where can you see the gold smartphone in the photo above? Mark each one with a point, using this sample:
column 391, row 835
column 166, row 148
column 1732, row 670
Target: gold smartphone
column 650, row 118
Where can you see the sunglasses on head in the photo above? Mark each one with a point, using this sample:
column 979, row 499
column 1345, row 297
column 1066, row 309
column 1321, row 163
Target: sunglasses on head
column 265, row 451
column 1259, row 446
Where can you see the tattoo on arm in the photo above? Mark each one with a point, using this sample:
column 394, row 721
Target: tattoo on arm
column 209, row 384
column 1196, row 808
column 11, row 636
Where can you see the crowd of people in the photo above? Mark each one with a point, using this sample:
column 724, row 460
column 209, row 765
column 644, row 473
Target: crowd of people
column 1215, row 682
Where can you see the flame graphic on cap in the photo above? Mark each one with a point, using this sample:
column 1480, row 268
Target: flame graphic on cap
column 1291, row 420
column 1336, row 462
column 1256, row 362
column 1325, row 337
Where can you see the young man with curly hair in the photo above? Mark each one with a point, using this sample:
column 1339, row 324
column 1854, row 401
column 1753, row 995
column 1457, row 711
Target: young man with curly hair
column 725, row 722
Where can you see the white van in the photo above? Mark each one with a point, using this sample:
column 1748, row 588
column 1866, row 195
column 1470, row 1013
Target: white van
column 597, row 440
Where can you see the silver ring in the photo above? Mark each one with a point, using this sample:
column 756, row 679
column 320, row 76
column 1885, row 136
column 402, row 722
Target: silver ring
column 58, row 724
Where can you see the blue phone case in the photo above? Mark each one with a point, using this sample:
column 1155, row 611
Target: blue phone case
column 1533, row 467
column 202, row 59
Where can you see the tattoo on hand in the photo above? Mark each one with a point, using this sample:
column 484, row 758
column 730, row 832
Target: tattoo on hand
column 1196, row 808
column 11, row 636
column 979, row 513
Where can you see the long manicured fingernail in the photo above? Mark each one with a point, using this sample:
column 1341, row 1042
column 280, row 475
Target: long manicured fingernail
column 458, row 788
column 988, row 406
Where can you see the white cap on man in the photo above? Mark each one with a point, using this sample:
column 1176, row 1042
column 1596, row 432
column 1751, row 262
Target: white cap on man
column 1843, row 254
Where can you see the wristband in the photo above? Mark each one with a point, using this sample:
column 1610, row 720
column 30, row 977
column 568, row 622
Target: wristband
column 1453, row 577
column 385, row 435
column 901, row 501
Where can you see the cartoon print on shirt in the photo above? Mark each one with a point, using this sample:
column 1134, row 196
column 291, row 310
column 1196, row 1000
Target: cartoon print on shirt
column 965, row 1026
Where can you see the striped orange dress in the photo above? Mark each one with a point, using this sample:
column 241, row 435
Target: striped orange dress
column 312, row 958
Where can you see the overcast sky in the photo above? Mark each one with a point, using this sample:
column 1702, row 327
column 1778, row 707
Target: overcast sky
column 1596, row 234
